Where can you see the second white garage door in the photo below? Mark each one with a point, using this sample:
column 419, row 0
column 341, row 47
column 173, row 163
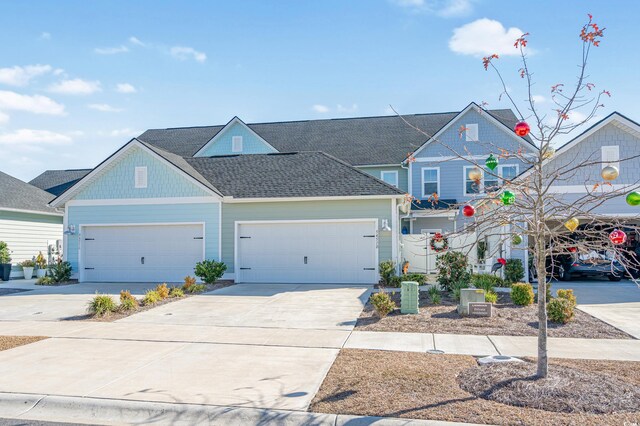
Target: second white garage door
column 307, row 252
column 141, row 253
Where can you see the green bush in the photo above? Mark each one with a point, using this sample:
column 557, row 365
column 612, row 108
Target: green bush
column 567, row 294
column 522, row 294
column 387, row 271
column 395, row 282
column 60, row 271
column 101, row 305
column 5, row 254
column 46, row 280
column 162, row 290
column 513, row 271
column 457, row 288
column 197, row 288
column 127, row 301
column 210, row 271
column 382, row 303
column 560, row 310
column 176, row 292
column 151, row 297
column 452, row 270
column 419, row 278
column 434, row 295
column 490, row 296
column 478, row 280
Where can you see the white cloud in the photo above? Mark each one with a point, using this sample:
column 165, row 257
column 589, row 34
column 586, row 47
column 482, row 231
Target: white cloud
column 4, row 118
column 104, row 108
column 136, row 41
column 45, row 36
column 111, row 50
column 538, row 99
column 183, row 53
column 76, row 86
column 32, row 137
column 126, row 132
column 321, row 109
column 351, row 109
column 485, row 37
column 36, row 104
column 21, row 76
column 125, row 88
column 444, row 8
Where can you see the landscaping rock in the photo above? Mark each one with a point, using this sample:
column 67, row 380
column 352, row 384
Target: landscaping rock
column 469, row 295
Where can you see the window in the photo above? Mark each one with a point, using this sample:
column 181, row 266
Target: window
column 505, row 172
column 471, row 134
column 471, row 187
column 236, row 144
column 430, row 181
column 508, row 172
column 611, row 156
column 390, row 176
column 140, row 177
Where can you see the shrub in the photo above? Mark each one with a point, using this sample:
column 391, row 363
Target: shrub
column 127, row 301
column 60, row 271
column 176, row 292
column 101, row 305
column 457, row 288
column 560, row 310
column 396, row 281
column 188, row 283
column 5, row 254
column 452, row 270
column 522, row 294
column 434, row 295
column 419, row 278
column 490, row 296
column 46, row 280
column 28, row 264
column 41, row 262
column 210, row 271
column 567, row 294
column 151, row 297
column 478, row 280
column 162, row 290
column 387, row 271
column 513, row 271
column 382, row 303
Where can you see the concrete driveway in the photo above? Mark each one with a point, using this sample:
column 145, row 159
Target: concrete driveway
column 266, row 346
column 616, row 303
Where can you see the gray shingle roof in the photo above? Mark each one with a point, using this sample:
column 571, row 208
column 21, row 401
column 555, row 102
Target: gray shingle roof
column 358, row 141
column 19, row 195
column 57, row 181
column 300, row 174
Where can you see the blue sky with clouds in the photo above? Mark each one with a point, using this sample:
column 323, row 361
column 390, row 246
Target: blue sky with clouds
column 78, row 79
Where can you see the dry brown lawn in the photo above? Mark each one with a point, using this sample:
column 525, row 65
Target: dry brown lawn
column 8, row 342
column 508, row 320
column 425, row 386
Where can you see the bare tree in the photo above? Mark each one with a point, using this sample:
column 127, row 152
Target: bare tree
column 529, row 205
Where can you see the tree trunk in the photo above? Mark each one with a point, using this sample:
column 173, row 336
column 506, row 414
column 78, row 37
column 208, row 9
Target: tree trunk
column 542, row 310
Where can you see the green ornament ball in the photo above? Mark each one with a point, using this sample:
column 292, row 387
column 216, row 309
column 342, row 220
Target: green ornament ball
column 633, row 198
column 516, row 240
column 508, row 198
column 491, row 162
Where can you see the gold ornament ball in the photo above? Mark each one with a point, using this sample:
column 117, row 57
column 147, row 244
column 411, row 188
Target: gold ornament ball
column 610, row 173
column 548, row 153
column 572, row 224
column 475, row 174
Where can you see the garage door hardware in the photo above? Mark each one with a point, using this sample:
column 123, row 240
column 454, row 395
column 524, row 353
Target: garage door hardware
column 89, row 239
column 244, row 269
column 245, row 237
column 369, row 236
column 197, row 238
column 89, row 268
column 369, row 269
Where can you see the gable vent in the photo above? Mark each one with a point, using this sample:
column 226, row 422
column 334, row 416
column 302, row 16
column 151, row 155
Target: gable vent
column 141, row 177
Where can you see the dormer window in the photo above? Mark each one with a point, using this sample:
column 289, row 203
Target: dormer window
column 236, row 144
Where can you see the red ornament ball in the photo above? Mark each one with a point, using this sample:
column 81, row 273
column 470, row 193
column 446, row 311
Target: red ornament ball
column 468, row 210
column 522, row 129
column 618, row 237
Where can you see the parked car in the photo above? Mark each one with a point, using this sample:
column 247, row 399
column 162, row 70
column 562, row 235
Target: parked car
column 593, row 264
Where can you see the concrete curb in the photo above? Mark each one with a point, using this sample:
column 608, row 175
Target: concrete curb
column 114, row 411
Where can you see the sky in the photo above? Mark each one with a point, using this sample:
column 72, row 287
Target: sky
column 79, row 79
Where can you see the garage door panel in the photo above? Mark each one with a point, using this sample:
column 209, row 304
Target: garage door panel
column 336, row 252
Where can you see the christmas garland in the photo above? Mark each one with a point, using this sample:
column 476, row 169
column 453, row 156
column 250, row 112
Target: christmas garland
column 439, row 243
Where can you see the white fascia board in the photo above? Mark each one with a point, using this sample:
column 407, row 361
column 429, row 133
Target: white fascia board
column 279, row 200
column 234, row 120
column 377, row 165
column 31, row 211
column 143, row 201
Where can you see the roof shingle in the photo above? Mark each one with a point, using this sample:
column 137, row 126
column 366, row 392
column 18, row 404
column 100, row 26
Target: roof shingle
column 18, row 195
column 57, row 181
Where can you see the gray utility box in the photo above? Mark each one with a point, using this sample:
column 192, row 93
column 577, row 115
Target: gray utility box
column 409, row 297
column 469, row 295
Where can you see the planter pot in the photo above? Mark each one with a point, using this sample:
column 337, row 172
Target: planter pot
column 5, row 271
column 28, row 272
column 41, row 273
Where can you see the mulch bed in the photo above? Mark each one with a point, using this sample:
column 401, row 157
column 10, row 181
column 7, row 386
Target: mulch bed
column 8, row 342
column 114, row 316
column 424, row 386
column 507, row 320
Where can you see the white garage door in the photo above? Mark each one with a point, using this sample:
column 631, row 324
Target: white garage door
column 307, row 252
column 141, row 253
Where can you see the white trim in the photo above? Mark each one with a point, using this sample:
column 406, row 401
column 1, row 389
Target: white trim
column 377, row 165
column 96, row 225
column 220, row 233
column 218, row 135
column 236, row 144
column 65, row 237
column 484, row 114
column 430, row 230
column 281, row 199
column 31, row 211
column 144, row 201
column 141, row 177
column 467, row 158
column 427, row 213
column 236, row 237
column 588, row 189
column 394, row 232
column 422, row 182
column 98, row 170
column 394, row 172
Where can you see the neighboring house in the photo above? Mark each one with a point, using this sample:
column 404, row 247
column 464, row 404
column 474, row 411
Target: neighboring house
column 57, row 181
column 27, row 223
